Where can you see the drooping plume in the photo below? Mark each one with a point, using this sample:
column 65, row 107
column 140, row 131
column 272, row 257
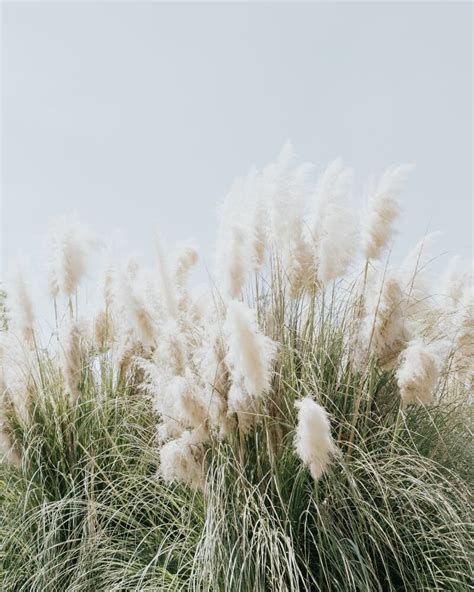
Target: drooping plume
column 333, row 224
column 313, row 442
column 167, row 288
column 250, row 357
column 418, row 373
column 70, row 246
column 185, row 261
column 182, row 459
column 135, row 314
column 71, row 344
column 287, row 187
column 383, row 210
column 385, row 329
column 22, row 316
column 413, row 267
column 214, row 373
column 258, row 222
column 250, row 353
column 457, row 277
column 233, row 256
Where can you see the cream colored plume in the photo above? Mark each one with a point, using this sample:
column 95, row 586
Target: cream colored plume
column 166, row 285
column 287, row 187
column 333, row 223
column 313, row 442
column 383, row 210
column 133, row 311
column 214, row 373
column 186, row 259
column 250, row 354
column 418, row 373
column 456, row 279
column 250, row 357
column 386, row 331
column 71, row 343
column 70, row 246
column 182, row 459
column 22, row 315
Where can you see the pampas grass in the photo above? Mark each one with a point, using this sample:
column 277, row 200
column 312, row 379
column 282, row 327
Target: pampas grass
column 418, row 374
column 313, row 442
column 306, row 429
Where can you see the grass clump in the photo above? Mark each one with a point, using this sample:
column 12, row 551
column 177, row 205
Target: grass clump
column 303, row 427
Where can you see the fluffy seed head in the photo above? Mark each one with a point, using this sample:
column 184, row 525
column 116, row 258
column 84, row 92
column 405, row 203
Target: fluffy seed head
column 70, row 245
column 384, row 209
column 313, row 442
column 333, row 224
column 418, row 374
column 72, row 351
column 182, row 460
column 22, row 316
column 385, row 327
column 185, row 261
column 250, row 353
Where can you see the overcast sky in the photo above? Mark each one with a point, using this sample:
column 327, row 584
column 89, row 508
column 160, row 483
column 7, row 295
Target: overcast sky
column 138, row 115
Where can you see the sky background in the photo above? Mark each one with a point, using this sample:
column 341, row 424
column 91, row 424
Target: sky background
column 139, row 115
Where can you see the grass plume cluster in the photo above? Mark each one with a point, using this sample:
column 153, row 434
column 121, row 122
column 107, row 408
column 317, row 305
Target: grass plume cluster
column 304, row 426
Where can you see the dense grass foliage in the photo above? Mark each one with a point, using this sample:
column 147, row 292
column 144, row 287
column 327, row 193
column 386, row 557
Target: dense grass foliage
column 302, row 427
column 85, row 509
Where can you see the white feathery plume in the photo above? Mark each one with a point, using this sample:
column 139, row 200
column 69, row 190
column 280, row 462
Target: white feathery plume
column 20, row 372
column 185, row 261
column 250, row 357
column 159, row 388
column 384, row 209
column 176, row 393
column 71, row 343
column 234, row 257
column 333, row 224
column 133, row 307
column 70, row 245
column 456, row 278
column 101, row 332
column 108, row 284
column 250, row 353
column 313, row 442
column 414, row 277
column 103, row 323
column 182, row 459
column 172, row 349
column 418, row 373
column 22, row 316
column 167, row 288
column 189, row 397
column 338, row 245
column 334, row 181
column 210, row 360
column 243, row 405
column 385, row 326
column 258, row 212
column 287, row 188
column 238, row 262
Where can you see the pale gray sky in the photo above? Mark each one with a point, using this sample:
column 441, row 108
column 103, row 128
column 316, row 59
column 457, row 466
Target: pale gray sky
column 141, row 114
